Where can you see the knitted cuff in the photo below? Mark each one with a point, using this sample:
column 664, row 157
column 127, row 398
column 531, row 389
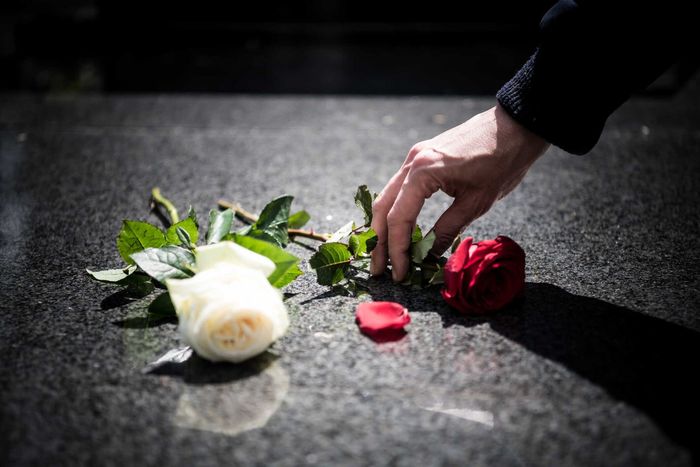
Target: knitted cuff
column 534, row 98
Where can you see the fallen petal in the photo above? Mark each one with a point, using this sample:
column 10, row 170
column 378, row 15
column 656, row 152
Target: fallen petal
column 378, row 317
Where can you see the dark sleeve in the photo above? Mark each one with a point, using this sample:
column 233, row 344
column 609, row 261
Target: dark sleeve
column 592, row 56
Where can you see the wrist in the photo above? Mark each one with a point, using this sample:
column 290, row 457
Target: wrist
column 516, row 139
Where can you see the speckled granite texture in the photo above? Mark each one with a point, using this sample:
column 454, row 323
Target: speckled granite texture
column 594, row 368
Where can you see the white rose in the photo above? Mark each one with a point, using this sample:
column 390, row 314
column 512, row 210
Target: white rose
column 228, row 310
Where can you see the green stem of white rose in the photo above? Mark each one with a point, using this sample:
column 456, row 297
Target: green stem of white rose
column 159, row 200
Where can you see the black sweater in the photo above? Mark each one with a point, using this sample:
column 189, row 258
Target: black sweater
column 592, row 56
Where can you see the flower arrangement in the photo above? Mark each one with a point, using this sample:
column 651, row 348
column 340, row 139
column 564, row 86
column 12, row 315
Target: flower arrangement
column 226, row 293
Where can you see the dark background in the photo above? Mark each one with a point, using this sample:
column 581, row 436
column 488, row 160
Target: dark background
column 311, row 46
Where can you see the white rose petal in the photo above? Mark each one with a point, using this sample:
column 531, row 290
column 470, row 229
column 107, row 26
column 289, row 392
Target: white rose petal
column 231, row 253
column 188, row 294
column 228, row 313
column 222, row 332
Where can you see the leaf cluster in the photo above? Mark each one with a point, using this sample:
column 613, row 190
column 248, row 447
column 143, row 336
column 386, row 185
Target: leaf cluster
column 348, row 249
column 153, row 255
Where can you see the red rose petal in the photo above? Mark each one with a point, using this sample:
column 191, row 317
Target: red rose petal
column 457, row 260
column 455, row 266
column 375, row 317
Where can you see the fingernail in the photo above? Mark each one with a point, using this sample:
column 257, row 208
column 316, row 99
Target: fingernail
column 394, row 275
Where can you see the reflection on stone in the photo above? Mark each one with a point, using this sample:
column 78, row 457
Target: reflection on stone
column 323, row 336
column 479, row 416
column 144, row 336
column 235, row 407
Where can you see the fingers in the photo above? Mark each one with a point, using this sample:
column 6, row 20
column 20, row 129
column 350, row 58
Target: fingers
column 464, row 210
column 450, row 224
column 402, row 219
column 380, row 211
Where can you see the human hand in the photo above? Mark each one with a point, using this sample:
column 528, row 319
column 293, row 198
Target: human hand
column 476, row 163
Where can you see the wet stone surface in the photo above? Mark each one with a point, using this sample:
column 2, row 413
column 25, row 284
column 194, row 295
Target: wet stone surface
column 594, row 367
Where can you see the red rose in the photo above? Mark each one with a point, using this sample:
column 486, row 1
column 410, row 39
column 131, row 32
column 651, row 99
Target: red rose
column 484, row 276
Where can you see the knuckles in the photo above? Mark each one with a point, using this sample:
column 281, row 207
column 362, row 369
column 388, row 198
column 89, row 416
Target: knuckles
column 415, row 150
column 379, row 206
column 395, row 219
column 419, row 159
column 422, row 158
column 423, row 161
column 443, row 240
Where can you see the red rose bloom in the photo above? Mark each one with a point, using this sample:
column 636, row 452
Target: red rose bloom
column 484, row 276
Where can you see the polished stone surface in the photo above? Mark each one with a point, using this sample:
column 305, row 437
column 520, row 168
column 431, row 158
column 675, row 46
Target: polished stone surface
column 595, row 367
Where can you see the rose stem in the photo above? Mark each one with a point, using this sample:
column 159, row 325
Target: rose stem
column 157, row 199
column 250, row 218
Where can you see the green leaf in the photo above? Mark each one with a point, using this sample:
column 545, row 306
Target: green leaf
column 372, row 241
column 189, row 226
column 331, row 261
column 245, row 230
column 363, row 243
column 162, row 306
column 417, row 280
column 272, row 225
column 286, row 264
column 137, row 236
column 265, row 237
column 298, row 220
column 350, row 288
column 455, row 243
column 136, row 283
column 184, row 238
column 170, row 262
column 413, row 276
column 219, row 225
column 420, row 249
column 363, row 200
column 112, row 276
column 417, row 235
column 191, row 214
column 438, row 277
column 342, row 232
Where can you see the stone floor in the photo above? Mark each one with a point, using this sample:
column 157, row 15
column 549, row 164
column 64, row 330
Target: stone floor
column 594, row 367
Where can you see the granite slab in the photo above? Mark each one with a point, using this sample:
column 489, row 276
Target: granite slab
column 596, row 366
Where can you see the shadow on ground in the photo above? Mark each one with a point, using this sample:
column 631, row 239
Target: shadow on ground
column 193, row 369
column 640, row 360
